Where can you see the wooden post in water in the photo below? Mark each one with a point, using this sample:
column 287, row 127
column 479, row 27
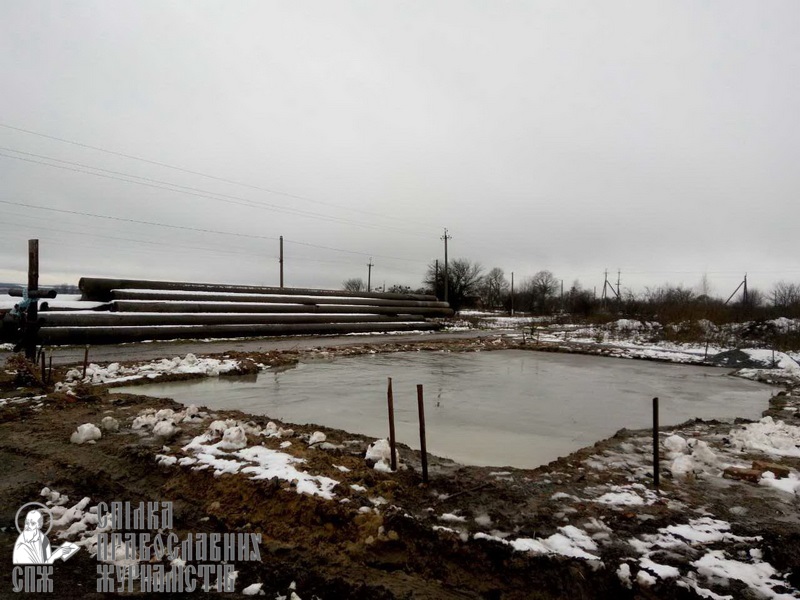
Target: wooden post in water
column 390, row 398
column 423, row 446
column 44, row 369
column 655, row 443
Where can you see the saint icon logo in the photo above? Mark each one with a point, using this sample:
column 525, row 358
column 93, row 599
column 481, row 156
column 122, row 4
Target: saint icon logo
column 32, row 546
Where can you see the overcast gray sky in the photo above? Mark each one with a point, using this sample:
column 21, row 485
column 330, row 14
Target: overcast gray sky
column 660, row 138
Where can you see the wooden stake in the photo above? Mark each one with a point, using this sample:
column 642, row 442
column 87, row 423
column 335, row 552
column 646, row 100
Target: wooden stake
column 392, row 447
column 422, row 442
column 85, row 361
column 655, row 444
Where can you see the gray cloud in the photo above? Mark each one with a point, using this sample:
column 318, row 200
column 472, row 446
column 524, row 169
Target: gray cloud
column 655, row 138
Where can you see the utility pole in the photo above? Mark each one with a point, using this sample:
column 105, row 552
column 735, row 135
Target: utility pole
column 280, row 260
column 436, row 280
column 369, row 274
column 744, row 293
column 512, row 293
column 29, row 307
column 619, row 273
column 33, row 308
column 446, row 237
column 743, row 284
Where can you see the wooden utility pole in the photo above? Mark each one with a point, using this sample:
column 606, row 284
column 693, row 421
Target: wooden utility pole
column 370, row 264
column 280, row 260
column 446, row 237
column 32, row 317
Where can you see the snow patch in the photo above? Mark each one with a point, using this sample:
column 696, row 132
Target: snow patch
column 86, row 433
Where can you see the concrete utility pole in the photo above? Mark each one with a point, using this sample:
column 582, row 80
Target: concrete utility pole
column 446, row 237
column 280, row 260
column 370, row 264
column 512, row 293
column 436, row 280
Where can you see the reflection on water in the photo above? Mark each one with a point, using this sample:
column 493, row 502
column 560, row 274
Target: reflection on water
column 511, row 407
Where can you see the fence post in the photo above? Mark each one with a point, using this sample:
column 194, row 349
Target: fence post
column 423, row 447
column 85, row 361
column 655, row 444
column 390, row 399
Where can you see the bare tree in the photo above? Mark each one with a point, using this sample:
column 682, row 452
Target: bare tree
column 785, row 295
column 464, row 277
column 354, row 285
column 539, row 291
column 494, row 288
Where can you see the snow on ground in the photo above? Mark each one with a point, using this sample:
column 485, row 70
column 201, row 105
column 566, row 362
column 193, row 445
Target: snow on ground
column 86, row 433
column 716, row 566
column 570, row 541
column 701, row 552
column 379, row 454
column 21, row 400
column 778, row 364
column 630, row 338
column 115, row 373
column 768, row 436
column 225, row 448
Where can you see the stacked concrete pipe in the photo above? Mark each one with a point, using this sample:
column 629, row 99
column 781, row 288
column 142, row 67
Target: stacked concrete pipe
column 137, row 310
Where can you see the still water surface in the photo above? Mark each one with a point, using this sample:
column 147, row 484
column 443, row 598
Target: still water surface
column 512, row 407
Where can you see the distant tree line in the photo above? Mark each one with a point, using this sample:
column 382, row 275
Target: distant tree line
column 470, row 286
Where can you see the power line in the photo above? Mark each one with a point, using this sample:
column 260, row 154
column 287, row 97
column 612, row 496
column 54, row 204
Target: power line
column 198, row 173
column 187, row 228
column 204, row 194
column 123, row 239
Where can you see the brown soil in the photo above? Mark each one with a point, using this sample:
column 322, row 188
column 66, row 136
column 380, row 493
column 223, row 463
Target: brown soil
column 329, row 548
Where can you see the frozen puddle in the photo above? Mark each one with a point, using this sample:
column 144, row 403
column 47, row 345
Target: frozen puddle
column 515, row 408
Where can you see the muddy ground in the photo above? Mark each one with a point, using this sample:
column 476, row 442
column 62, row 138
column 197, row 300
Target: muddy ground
column 403, row 548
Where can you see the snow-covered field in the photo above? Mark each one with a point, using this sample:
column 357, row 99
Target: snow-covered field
column 628, row 338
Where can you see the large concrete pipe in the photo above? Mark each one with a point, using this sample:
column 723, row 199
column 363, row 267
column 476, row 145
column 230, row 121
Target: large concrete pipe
column 253, row 307
column 117, row 319
column 95, row 288
column 163, row 295
column 115, row 335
